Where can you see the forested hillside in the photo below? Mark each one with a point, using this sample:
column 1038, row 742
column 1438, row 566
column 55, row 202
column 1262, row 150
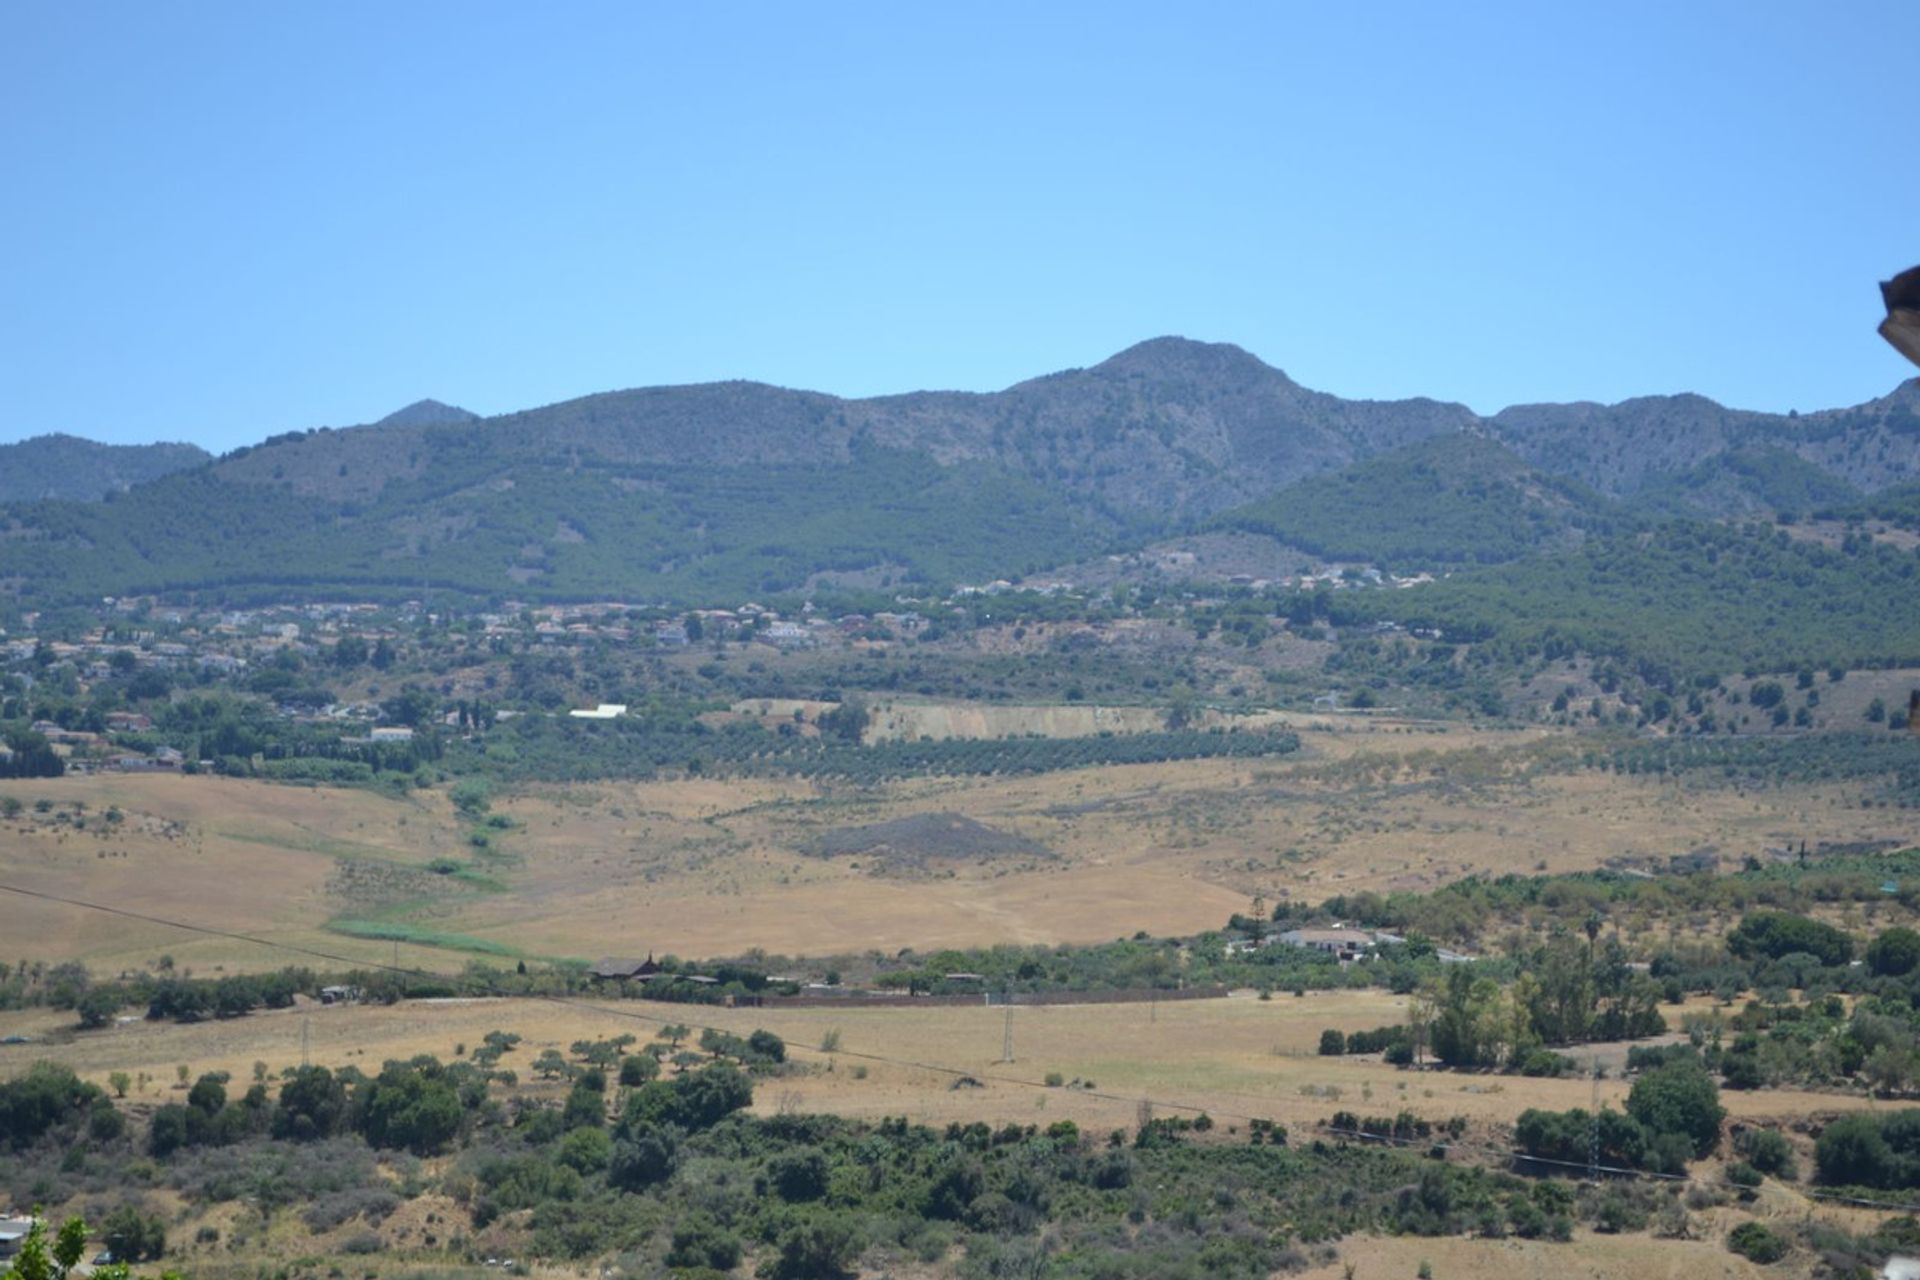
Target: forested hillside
column 59, row 466
column 1685, row 599
column 1450, row 500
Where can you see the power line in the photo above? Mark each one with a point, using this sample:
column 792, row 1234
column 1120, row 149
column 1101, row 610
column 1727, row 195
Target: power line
column 1592, row 1165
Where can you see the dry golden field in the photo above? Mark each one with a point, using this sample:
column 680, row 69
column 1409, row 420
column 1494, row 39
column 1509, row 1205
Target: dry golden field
column 1235, row 1058
column 701, row 867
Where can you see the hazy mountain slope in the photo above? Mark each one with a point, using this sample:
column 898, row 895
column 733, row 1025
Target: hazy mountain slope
column 686, row 533
column 1623, row 447
column 1461, row 498
column 1682, row 599
column 60, row 466
column 1765, row 479
column 1169, row 427
column 427, row 413
column 1166, row 429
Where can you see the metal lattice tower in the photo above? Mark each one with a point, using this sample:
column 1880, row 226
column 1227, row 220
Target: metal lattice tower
column 1593, row 1127
column 1006, row 1043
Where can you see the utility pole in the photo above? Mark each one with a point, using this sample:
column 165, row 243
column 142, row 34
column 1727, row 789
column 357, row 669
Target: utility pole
column 1593, row 1127
column 306, row 1037
column 1006, row 1040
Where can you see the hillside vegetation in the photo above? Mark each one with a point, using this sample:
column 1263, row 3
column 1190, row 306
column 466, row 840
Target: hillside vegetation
column 1450, row 500
column 61, row 466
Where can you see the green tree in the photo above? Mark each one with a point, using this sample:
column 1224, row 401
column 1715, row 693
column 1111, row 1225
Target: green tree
column 1682, row 1098
column 816, row 1248
column 1470, row 1023
column 312, row 1105
column 1852, row 1151
column 1895, row 952
column 410, row 1106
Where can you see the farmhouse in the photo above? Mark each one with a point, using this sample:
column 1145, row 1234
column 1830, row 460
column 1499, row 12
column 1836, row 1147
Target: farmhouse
column 1342, row 943
column 13, row 1233
column 616, row 970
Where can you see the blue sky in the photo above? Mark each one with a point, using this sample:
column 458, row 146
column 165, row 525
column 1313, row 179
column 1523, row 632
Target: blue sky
column 222, row 221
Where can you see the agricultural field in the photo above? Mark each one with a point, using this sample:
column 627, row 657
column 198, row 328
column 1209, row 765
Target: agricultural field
column 704, row 867
column 1237, row 1058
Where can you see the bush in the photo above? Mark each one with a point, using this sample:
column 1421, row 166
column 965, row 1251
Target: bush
column 1895, row 953
column 1773, row 934
column 411, row 1106
column 585, row 1150
column 799, row 1175
column 1766, row 1150
column 133, row 1236
column 1757, row 1242
column 816, row 1249
column 1332, row 1043
column 47, row 1095
column 330, row 1210
column 1545, row 1062
column 311, row 1105
column 1853, row 1152
column 643, row 1156
column 702, row 1242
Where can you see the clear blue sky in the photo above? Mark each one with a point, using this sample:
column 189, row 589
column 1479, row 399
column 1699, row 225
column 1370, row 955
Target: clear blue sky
column 226, row 220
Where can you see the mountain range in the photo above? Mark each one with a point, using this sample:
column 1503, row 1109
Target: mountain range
column 714, row 491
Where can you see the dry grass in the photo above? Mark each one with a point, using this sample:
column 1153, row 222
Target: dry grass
column 1235, row 1058
column 1591, row 1256
column 704, row 867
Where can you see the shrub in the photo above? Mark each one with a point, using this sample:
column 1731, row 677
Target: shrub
column 133, row 1236
column 701, row 1242
column 644, row 1156
column 411, row 1106
column 1332, row 1043
column 1766, row 1150
column 47, row 1095
column 330, row 1210
column 1777, row 933
column 1757, row 1242
column 820, row 1248
column 799, row 1175
column 311, row 1105
column 1853, row 1152
column 585, row 1150
column 1895, row 953
column 1545, row 1062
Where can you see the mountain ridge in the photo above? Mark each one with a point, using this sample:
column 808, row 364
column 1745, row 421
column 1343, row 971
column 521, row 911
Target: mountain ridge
column 713, row 490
